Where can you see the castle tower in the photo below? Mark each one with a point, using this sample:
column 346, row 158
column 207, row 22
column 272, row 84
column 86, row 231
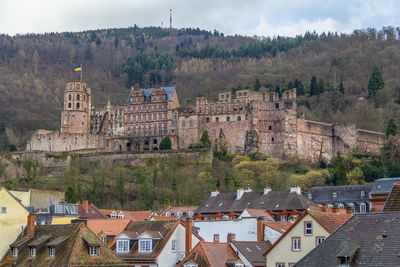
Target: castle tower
column 75, row 117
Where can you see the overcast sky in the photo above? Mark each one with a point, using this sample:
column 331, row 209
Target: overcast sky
column 246, row 17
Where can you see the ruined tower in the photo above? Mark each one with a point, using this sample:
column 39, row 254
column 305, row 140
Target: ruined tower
column 75, row 117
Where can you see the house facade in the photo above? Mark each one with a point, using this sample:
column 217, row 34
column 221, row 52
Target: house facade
column 13, row 219
column 309, row 231
column 155, row 243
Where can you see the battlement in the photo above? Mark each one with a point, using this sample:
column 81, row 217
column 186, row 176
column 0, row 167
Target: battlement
column 77, row 87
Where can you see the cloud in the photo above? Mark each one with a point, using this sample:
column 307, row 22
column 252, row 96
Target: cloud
column 291, row 28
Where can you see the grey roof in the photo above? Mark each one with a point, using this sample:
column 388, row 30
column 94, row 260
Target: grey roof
column 344, row 193
column 371, row 238
column 383, row 185
column 253, row 251
column 168, row 90
column 274, row 200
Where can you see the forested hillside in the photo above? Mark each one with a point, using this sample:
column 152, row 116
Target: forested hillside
column 337, row 75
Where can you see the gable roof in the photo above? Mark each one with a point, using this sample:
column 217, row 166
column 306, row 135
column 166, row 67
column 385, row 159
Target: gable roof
column 393, row 200
column 2, row 188
column 327, row 220
column 253, row 251
column 383, row 185
column 109, row 227
column 274, row 200
column 168, row 90
column 280, row 227
column 371, row 238
column 71, row 250
column 140, row 215
column 259, row 213
column 161, row 228
column 344, row 193
column 210, row 254
column 92, row 213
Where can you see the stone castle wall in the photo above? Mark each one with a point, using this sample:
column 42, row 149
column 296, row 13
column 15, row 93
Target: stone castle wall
column 58, row 142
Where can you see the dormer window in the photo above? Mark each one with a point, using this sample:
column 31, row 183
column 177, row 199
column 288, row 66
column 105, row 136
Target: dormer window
column 14, row 252
column 32, row 252
column 123, row 246
column 113, row 215
column 145, row 246
column 52, row 252
column 309, row 196
column 121, row 215
column 104, row 239
column 94, row 251
column 179, row 214
column 334, row 195
column 168, row 214
column 362, row 193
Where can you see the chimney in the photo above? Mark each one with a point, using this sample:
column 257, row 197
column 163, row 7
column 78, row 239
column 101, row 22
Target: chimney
column 230, row 237
column 325, row 208
column 30, row 228
column 214, row 193
column 349, row 210
column 188, row 235
column 85, row 204
column 241, row 191
column 260, row 229
column 295, row 189
column 267, row 190
column 335, row 209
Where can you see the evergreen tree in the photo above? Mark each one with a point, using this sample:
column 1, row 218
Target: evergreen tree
column 4, row 142
column 341, row 88
column 165, row 143
column 257, row 85
column 338, row 170
column 375, row 82
column 321, row 86
column 314, row 86
column 391, row 128
column 205, row 140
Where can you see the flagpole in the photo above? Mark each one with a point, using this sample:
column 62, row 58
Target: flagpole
column 81, row 72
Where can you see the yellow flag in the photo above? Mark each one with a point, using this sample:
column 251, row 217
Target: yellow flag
column 78, row 69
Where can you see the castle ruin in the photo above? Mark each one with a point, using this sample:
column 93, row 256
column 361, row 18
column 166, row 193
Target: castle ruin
column 249, row 121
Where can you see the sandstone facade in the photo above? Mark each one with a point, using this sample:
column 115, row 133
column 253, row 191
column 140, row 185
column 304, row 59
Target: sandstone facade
column 249, row 121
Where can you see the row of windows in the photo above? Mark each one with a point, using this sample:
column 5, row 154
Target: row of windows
column 149, row 130
column 212, row 109
column 141, row 98
column 191, row 123
column 77, row 105
column 296, row 242
column 147, row 107
column 148, row 116
column 51, row 252
column 78, row 97
column 239, row 118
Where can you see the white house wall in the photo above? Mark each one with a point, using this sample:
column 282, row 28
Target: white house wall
column 167, row 258
column 244, row 229
column 271, row 235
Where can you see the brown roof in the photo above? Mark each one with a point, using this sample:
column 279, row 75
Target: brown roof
column 136, row 228
column 140, row 215
column 71, row 249
column 161, row 218
column 211, row 254
column 173, row 209
column 260, row 213
column 280, row 227
column 253, row 251
column 92, row 213
column 109, row 227
column 393, row 200
column 330, row 221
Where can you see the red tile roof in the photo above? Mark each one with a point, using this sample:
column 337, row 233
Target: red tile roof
column 280, row 227
column 393, row 200
column 258, row 213
column 92, row 213
column 109, row 227
column 329, row 220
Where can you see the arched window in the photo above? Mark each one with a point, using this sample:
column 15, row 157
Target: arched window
column 207, row 120
column 341, row 206
column 78, row 97
column 277, row 105
column 77, row 105
column 69, row 97
column 363, row 208
column 216, row 119
column 69, row 105
column 239, row 118
column 228, row 118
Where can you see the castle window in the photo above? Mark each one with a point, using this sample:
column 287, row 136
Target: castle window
column 139, row 117
column 134, row 117
column 69, row 97
column 272, row 139
column 270, row 127
column 227, row 95
column 155, row 141
column 78, row 97
column 69, row 105
column 77, row 105
column 228, row 118
column 183, row 123
column 277, row 105
column 84, row 97
column 207, row 120
column 160, row 116
column 239, row 118
column 165, row 115
column 240, row 94
column 216, row 119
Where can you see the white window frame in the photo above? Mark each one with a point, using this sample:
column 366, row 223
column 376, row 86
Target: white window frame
column 32, row 252
column 14, row 252
column 190, row 265
column 319, row 240
column 52, row 252
column 308, row 228
column 120, row 215
column 363, row 208
column 3, row 210
column 145, row 246
column 296, row 244
column 179, row 214
column 173, row 245
column 104, row 239
column 94, row 251
column 121, row 246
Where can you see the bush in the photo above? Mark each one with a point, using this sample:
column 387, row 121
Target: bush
column 165, row 143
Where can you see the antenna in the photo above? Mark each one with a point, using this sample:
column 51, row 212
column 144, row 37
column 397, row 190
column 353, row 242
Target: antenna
column 170, row 19
column 161, row 24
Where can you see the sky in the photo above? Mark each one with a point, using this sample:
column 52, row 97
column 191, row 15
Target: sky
column 244, row 17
